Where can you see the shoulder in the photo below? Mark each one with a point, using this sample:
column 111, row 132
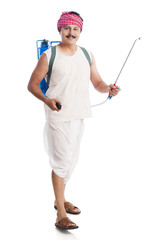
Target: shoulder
column 47, row 52
column 50, row 52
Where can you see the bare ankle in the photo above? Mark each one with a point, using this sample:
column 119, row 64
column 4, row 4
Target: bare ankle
column 61, row 214
column 55, row 202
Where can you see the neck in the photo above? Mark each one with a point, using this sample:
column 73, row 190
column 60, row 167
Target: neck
column 71, row 47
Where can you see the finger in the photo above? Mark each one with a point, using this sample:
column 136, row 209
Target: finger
column 114, row 91
column 56, row 104
column 113, row 86
column 56, row 109
column 53, row 105
column 57, row 100
column 117, row 87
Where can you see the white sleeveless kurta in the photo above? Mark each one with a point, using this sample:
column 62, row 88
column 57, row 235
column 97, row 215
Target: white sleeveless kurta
column 63, row 130
column 69, row 83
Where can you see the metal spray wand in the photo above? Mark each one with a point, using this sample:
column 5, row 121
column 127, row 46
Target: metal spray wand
column 109, row 97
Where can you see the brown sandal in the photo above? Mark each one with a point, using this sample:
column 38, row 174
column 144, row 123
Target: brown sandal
column 65, row 224
column 69, row 207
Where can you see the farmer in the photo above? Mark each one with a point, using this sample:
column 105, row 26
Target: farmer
column 69, row 87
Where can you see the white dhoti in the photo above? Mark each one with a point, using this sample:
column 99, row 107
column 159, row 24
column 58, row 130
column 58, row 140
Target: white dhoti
column 62, row 143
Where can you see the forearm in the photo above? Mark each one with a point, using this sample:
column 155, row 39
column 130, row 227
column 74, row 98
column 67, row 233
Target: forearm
column 38, row 74
column 102, row 87
column 36, row 91
column 99, row 84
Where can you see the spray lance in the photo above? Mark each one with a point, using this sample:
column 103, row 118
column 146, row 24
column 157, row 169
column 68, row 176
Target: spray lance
column 109, row 97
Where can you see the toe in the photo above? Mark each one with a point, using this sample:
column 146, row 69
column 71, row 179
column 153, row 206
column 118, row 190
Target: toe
column 76, row 210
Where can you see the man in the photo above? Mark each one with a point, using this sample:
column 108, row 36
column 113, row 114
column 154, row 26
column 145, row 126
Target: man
column 68, row 86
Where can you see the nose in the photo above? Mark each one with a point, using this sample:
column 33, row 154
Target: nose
column 71, row 31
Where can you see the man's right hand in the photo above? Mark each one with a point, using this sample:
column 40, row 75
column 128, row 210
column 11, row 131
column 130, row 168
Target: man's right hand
column 51, row 103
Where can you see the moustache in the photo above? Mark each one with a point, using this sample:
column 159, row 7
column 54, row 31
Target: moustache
column 68, row 36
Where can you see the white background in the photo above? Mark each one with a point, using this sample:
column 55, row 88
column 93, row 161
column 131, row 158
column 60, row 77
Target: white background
column 116, row 182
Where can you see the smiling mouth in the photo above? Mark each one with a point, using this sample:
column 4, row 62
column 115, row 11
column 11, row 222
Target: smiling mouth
column 70, row 37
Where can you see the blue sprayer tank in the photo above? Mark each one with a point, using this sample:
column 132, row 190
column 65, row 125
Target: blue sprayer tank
column 43, row 45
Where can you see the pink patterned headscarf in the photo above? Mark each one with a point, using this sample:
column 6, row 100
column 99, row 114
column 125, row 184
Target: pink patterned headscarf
column 69, row 19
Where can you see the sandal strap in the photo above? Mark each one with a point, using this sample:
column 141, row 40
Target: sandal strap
column 69, row 206
column 65, row 223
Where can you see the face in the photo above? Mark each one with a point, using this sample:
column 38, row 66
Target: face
column 70, row 34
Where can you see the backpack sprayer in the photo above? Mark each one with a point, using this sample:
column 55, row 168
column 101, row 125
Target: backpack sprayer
column 43, row 45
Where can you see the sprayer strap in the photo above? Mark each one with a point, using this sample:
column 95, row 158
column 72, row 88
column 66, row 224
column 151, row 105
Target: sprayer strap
column 53, row 54
column 86, row 54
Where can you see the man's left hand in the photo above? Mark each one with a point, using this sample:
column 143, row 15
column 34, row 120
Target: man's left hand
column 113, row 90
